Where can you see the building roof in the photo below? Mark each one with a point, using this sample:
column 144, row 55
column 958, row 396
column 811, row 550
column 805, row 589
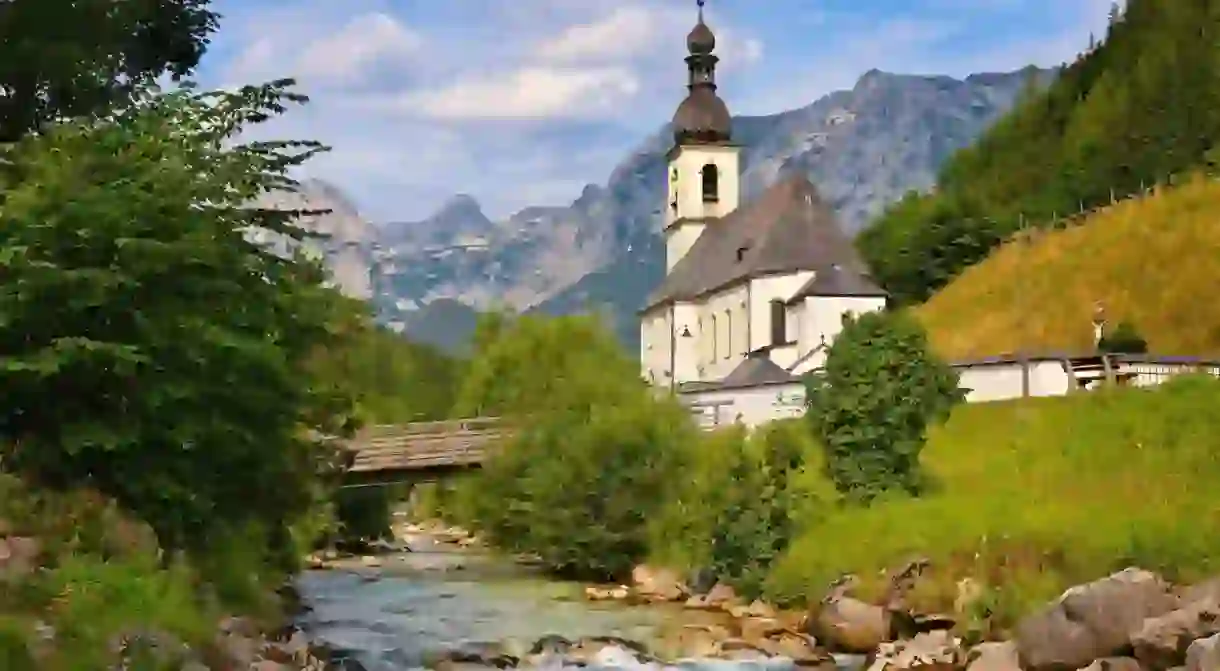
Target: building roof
column 757, row 370
column 787, row 229
column 839, row 281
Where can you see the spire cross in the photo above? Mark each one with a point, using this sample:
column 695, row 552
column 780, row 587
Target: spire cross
column 700, row 3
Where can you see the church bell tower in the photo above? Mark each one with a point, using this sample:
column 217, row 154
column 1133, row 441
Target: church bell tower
column 704, row 165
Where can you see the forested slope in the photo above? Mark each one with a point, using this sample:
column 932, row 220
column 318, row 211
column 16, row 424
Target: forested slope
column 1138, row 108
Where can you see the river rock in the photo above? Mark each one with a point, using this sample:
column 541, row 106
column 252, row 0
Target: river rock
column 698, row 641
column 847, row 624
column 658, row 584
column 719, row 597
column 1204, row 654
column 930, row 651
column 1092, row 621
column 756, row 608
column 1161, row 642
column 994, row 656
column 18, row 556
column 473, row 654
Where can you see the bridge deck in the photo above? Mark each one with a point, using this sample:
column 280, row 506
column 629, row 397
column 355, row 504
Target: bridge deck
column 424, row 445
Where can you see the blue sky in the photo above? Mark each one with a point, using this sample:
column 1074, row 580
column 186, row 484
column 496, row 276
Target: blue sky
column 522, row 102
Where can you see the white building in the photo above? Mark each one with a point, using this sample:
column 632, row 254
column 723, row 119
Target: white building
column 754, row 293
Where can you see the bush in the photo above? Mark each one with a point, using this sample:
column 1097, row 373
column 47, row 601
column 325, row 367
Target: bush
column 733, row 513
column 870, row 406
column 591, row 459
column 1124, row 339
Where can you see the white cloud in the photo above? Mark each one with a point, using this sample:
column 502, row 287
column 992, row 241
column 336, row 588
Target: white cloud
column 529, row 93
column 289, row 46
column 366, row 39
column 626, row 32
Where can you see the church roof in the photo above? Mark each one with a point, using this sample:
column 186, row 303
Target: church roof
column 787, row 229
column 839, row 281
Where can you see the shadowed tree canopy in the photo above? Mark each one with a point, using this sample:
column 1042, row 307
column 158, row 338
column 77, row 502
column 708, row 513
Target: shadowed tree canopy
column 68, row 58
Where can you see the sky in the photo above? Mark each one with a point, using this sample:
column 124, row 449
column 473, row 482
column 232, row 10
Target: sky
column 523, row 102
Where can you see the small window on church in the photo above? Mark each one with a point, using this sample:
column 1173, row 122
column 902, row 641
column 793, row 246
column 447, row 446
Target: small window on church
column 779, row 325
column 714, row 348
column 711, row 183
column 728, row 333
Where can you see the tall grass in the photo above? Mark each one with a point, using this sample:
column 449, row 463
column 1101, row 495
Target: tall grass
column 1037, row 494
column 1151, row 261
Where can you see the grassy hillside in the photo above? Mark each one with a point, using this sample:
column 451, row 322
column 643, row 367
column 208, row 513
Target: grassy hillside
column 1137, row 109
column 1071, row 488
column 1152, row 261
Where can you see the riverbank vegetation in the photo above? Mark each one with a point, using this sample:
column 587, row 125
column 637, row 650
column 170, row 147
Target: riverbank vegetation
column 167, row 378
column 1024, row 498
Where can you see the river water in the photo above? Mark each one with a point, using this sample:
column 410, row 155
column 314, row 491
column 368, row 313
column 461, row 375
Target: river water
column 418, row 604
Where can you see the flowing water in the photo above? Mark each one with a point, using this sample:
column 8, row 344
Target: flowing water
column 435, row 599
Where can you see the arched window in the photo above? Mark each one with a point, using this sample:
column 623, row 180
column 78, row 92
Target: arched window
column 714, row 348
column 711, row 183
column 779, row 325
column 728, row 333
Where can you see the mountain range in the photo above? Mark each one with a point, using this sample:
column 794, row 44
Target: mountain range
column 864, row 148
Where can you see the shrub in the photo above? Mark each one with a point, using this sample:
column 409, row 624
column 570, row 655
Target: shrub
column 737, row 506
column 591, row 458
column 871, row 404
column 1124, row 339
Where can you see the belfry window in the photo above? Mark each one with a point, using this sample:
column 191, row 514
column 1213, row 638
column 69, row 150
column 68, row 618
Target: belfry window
column 711, row 183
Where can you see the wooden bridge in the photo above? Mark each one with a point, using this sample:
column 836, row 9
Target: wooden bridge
column 421, row 451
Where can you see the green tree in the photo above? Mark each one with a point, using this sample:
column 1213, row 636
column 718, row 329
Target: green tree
column 70, row 58
column 151, row 349
column 1124, row 339
column 593, row 452
column 872, row 403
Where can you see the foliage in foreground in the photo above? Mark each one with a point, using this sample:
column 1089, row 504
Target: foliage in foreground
column 101, row 577
column 1144, row 260
column 152, row 351
column 592, row 457
column 77, row 58
column 871, row 405
column 1038, row 494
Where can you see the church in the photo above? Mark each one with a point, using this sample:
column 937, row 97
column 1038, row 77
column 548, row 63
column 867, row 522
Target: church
column 754, row 293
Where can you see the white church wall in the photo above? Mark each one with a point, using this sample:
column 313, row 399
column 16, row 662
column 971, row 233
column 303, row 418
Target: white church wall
column 686, row 348
column 722, row 340
column 751, row 406
column 655, row 342
column 824, row 316
column 688, row 162
column 763, row 290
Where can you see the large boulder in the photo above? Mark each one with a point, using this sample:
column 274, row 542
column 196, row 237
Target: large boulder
column 1161, row 642
column 1092, row 621
column 1204, row 654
